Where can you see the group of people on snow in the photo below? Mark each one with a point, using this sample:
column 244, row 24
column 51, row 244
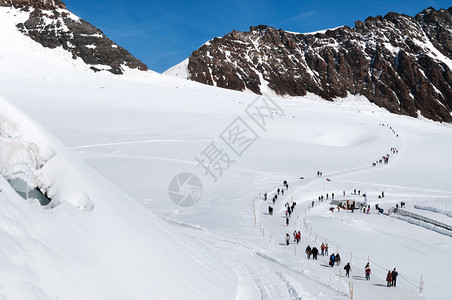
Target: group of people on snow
column 390, row 128
column 327, row 196
column 334, row 259
column 296, row 236
column 391, row 278
column 385, row 158
column 314, row 251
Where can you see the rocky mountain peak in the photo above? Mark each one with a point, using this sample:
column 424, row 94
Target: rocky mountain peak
column 39, row 4
column 398, row 62
column 52, row 25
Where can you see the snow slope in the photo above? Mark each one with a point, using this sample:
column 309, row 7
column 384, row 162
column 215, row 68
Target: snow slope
column 102, row 246
column 140, row 130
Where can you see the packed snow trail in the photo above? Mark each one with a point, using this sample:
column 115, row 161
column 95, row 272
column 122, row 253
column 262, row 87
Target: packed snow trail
column 296, row 192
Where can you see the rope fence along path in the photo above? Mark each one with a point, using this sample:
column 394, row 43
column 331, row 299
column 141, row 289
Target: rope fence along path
column 309, row 229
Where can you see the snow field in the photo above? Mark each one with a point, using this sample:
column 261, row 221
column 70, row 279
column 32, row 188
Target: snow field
column 140, row 130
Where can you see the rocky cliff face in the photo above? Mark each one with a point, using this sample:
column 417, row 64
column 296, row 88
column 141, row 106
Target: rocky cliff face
column 39, row 4
column 398, row 62
column 51, row 25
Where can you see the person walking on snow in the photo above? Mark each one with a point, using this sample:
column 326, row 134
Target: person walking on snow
column 394, row 277
column 315, row 252
column 326, row 249
column 389, row 279
column 298, row 237
column 308, row 251
column 322, row 247
column 347, row 269
column 332, row 258
column 287, row 239
column 337, row 259
column 287, row 221
column 278, row 190
column 367, row 271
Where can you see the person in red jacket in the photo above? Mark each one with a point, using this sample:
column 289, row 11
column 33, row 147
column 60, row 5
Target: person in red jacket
column 323, row 249
column 389, row 279
column 368, row 272
column 298, row 237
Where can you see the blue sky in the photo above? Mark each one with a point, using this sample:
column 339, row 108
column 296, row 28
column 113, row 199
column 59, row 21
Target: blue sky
column 163, row 33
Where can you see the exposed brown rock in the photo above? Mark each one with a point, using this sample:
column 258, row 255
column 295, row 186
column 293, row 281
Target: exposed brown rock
column 51, row 25
column 39, row 4
column 398, row 62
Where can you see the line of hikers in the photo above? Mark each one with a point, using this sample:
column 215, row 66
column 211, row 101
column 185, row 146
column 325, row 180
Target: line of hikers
column 290, row 206
column 390, row 128
column 335, row 259
column 327, row 196
column 279, row 191
column 385, row 158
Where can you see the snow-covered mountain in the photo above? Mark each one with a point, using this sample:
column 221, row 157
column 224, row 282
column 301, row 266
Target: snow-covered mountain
column 398, row 62
column 50, row 24
column 105, row 148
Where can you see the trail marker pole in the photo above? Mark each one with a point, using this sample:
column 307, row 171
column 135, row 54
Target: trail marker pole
column 254, row 212
column 350, row 286
column 421, row 285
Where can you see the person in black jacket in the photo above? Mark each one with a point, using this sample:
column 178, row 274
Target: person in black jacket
column 394, row 277
column 347, row 269
column 308, row 251
column 315, row 252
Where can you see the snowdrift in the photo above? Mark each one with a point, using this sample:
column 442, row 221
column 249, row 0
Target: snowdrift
column 95, row 242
